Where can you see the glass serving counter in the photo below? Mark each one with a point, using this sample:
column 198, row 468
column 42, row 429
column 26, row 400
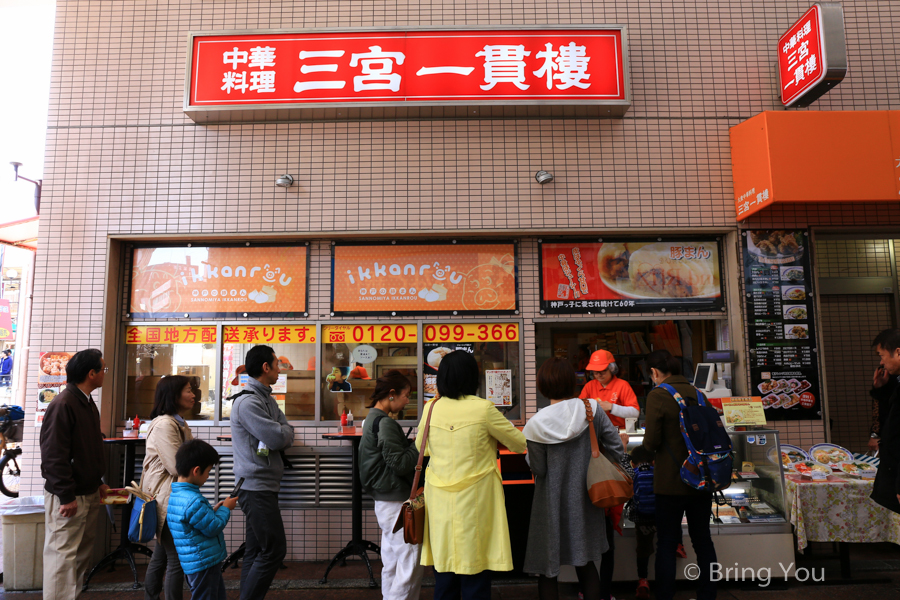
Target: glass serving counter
column 753, row 517
column 756, row 494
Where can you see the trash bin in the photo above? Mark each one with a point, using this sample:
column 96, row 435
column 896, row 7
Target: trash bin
column 23, row 543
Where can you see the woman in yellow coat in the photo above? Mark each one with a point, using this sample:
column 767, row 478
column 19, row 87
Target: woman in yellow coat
column 466, row 533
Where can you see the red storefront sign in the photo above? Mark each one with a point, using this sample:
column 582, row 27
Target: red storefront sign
column 411, row 68
column 811, row 55
column 6, row 332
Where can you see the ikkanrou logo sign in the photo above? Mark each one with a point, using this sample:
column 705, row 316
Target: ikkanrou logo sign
column 218, row 282
column 812, row 55
column 445, row 67
column 424, row 278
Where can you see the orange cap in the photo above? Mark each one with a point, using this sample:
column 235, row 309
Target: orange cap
column 284, row 363
column 237, row 375
column 600, row 360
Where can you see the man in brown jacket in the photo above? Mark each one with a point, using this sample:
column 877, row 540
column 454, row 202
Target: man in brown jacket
column 72, row 463
column 674, row 498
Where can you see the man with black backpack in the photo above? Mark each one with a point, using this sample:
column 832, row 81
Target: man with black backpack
column 674, row 497
column 260, row 434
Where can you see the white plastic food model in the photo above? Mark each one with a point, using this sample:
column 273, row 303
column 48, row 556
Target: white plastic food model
column 831, row 455
column 806, row 467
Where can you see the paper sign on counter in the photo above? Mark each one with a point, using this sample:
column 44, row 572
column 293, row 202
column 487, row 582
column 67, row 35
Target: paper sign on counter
column 742, row 411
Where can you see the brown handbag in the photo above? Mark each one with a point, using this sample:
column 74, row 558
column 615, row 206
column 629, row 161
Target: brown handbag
column 607, row 483
column 412, row 513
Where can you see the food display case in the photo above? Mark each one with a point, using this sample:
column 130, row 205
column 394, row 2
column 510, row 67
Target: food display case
column 754, row 515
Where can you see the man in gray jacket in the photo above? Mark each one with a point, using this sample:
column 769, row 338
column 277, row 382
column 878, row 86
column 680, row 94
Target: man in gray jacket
column 260, row 432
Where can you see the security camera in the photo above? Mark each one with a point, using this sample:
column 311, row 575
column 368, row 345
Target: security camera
column 284, row 181
column 543, row 177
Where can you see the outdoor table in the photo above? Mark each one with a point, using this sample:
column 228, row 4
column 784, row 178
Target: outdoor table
column 126, row 548
column 838, row 510
column 357, row 546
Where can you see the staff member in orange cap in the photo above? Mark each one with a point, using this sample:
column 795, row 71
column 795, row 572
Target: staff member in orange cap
column 614, row 395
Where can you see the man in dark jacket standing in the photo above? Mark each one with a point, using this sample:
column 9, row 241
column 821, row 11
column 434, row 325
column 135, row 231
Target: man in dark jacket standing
column 72, row 463
column 260, row 433
column 886, row 490
column 674, row 498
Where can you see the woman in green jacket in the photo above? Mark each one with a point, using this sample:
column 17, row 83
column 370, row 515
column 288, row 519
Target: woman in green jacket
column 387, row 463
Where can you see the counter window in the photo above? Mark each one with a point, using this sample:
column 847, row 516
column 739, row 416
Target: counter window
column 153, row 352
column 354, row 356
column 295, row 347
column 495, row 347
column 630, row 342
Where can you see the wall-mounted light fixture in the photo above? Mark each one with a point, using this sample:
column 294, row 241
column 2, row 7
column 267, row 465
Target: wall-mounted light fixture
column 284, row 181
column 37, row 186
column 543, row 177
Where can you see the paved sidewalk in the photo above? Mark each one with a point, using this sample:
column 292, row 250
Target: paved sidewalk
column 876, row 572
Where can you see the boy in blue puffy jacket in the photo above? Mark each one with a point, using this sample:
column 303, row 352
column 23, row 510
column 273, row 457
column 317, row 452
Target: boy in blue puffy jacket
column 195, row 525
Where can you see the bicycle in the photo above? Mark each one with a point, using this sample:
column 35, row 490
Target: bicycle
column 12, row 422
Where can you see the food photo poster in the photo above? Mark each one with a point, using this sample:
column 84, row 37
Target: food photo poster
column 618, row 277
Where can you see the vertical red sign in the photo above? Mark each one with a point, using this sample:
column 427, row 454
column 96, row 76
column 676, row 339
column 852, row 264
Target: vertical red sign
column 6, row 332
column 801, row 56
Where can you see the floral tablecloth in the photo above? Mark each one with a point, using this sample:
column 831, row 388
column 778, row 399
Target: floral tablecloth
column 838, row 510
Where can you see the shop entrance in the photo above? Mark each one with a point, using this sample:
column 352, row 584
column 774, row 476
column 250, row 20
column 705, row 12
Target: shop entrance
column 630, row 341
column 858, row 285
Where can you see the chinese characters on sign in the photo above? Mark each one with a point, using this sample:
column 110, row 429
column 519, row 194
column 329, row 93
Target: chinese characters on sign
column 269, row 334
column 171, row 334
column 745, row 203
column 573, row 66
column 780, row 325
column 630, row 276
column 812, row 55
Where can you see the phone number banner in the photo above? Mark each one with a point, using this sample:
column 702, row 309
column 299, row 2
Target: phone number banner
column 472, row 332
column 370, row 334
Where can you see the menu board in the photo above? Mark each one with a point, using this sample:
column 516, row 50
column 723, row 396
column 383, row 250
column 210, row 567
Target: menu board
column 781, row 333
column 630, row 276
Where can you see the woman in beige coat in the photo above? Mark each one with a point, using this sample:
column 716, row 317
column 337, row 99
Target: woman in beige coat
column 168, row 430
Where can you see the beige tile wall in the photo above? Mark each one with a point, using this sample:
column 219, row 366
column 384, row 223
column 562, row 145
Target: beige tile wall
column 122, row 159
